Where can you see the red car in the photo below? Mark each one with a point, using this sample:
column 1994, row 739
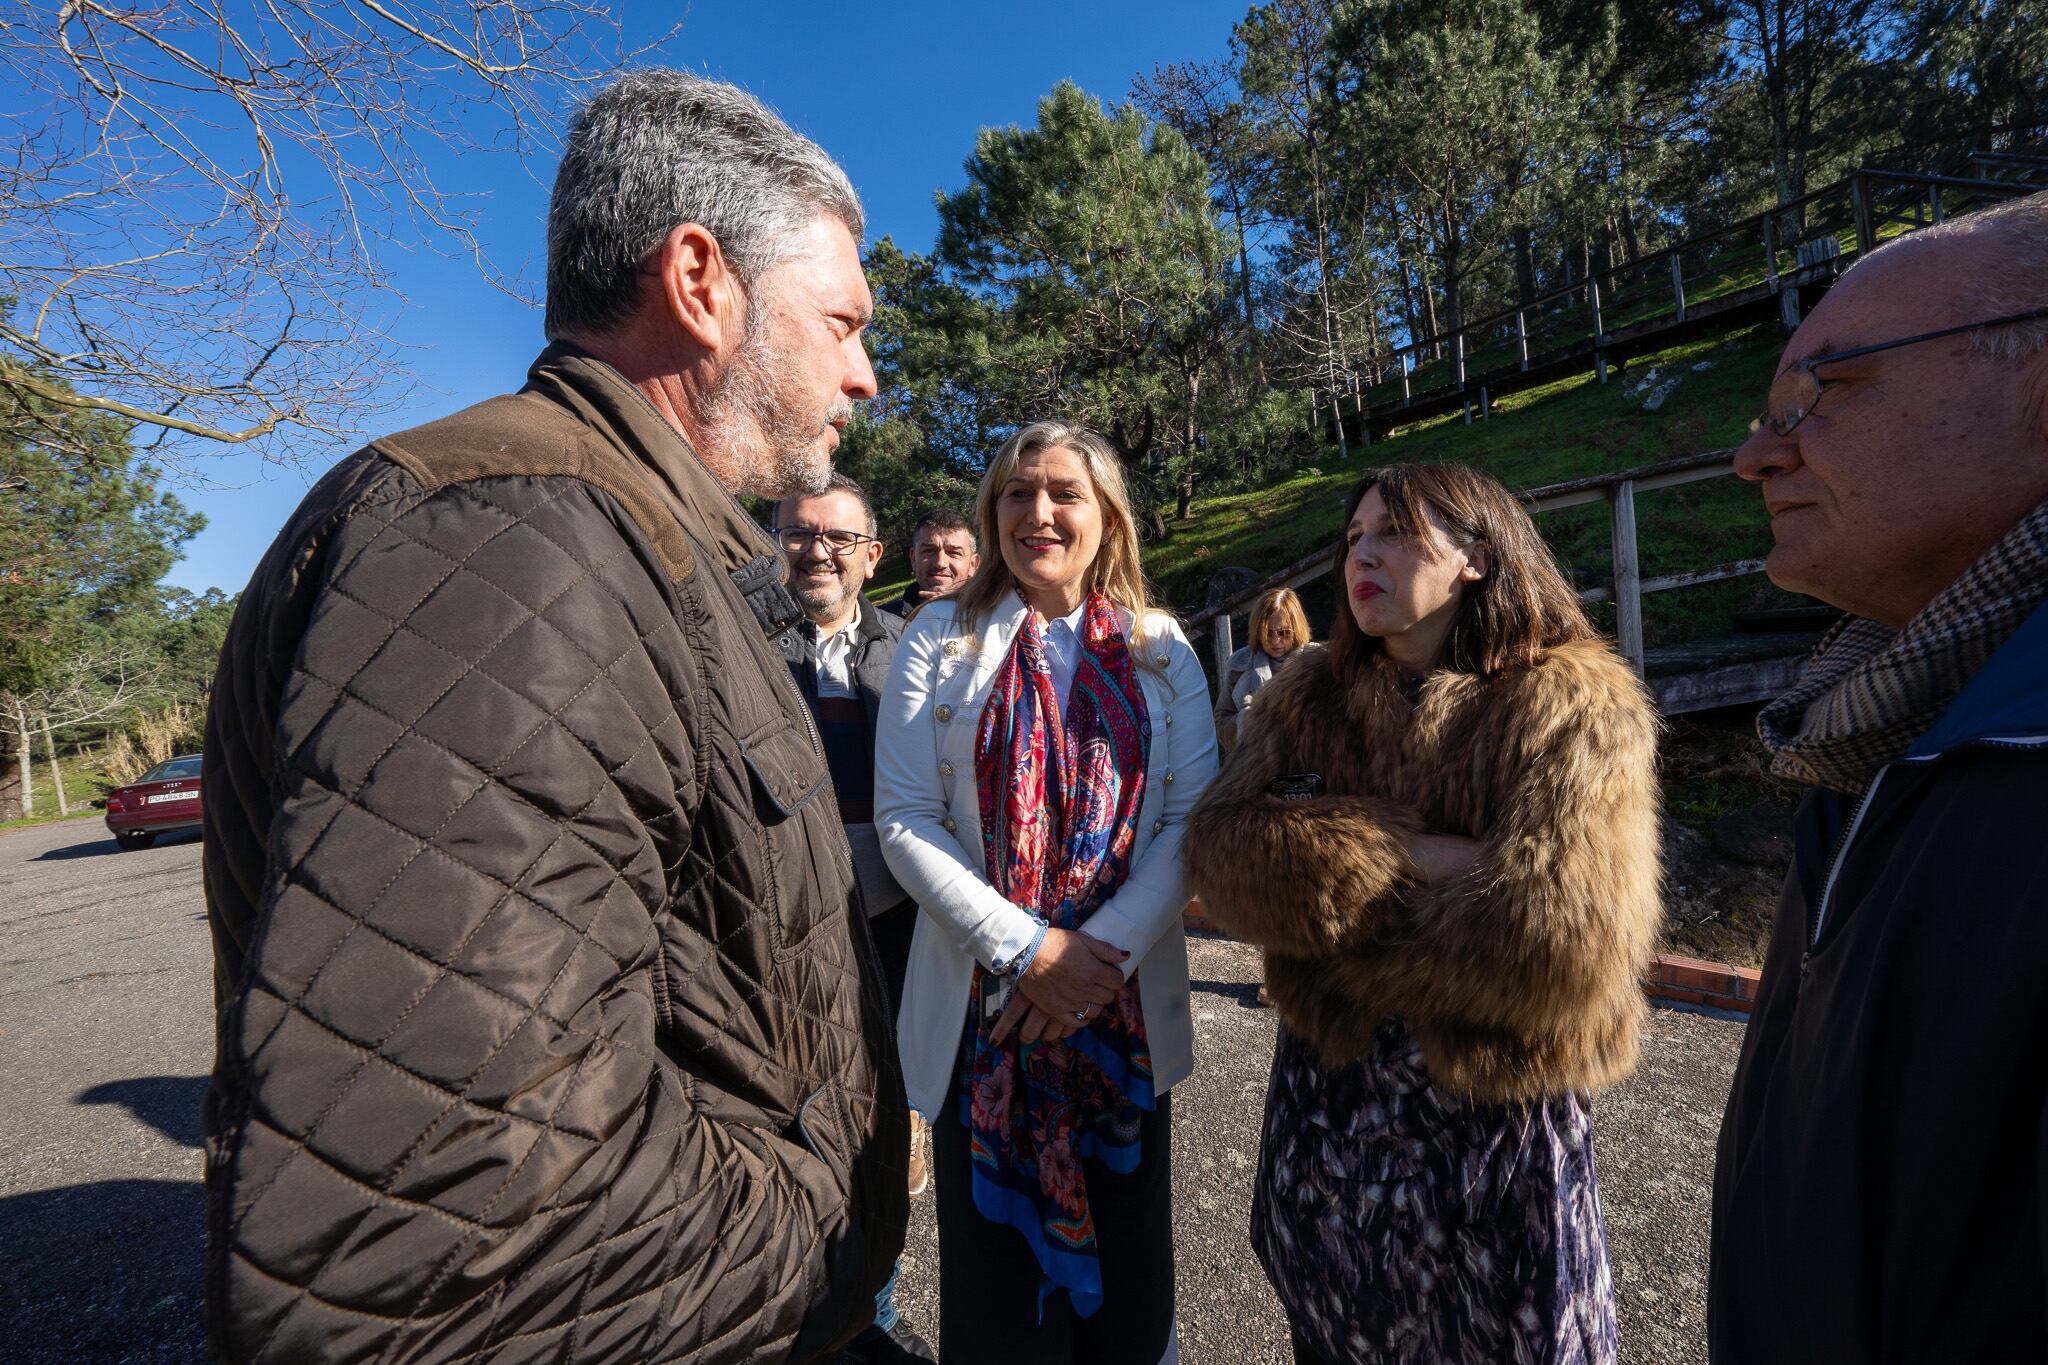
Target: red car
column 161, row 800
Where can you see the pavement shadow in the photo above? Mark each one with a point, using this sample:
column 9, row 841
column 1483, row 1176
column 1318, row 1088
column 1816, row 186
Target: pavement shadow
column 1245, row 993
column 104, row 844
column 169, row 1104
column 109, row 1271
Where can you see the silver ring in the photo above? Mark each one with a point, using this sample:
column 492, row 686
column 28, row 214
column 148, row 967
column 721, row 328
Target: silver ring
column 1082, row 1015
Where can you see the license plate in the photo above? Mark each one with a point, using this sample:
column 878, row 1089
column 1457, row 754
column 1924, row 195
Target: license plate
column 168, row 796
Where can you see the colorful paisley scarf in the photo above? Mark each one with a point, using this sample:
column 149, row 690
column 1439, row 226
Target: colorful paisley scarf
column 1059, row 811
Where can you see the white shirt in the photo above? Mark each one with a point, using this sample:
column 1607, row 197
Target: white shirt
column 1063, row 652
column 834, row 656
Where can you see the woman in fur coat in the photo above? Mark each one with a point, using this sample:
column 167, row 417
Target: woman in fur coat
column 1443, row 832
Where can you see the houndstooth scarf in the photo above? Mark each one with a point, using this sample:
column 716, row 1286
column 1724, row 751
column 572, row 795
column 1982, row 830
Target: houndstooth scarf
column 1869, row 691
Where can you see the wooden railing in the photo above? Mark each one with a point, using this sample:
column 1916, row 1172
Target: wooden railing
column 1801, row 241
column 1626, row 588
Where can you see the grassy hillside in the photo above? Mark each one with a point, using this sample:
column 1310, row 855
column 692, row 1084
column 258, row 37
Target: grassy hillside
column 1564, row 430
column 84, row 782
column 1567, row 429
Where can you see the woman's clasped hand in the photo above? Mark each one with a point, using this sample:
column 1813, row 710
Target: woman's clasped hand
column 1073, row 976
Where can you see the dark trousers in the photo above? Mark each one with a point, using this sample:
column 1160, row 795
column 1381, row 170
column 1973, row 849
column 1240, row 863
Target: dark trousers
column 892, row 931
column 988, row 1278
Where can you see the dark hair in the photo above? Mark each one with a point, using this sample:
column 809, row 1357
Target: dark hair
column 1522, row 606
column 943, row 519
column 838, row 483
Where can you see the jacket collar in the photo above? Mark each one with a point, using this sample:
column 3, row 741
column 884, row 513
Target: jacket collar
column 870, row 625
column 620, row 413
column 2004, row 700
column 992, row 640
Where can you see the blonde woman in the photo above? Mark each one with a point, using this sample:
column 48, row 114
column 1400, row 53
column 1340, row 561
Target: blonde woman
column 1044, row 734
column 1279, row 626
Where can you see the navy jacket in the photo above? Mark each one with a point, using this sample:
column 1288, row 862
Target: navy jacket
column 1881, row 1192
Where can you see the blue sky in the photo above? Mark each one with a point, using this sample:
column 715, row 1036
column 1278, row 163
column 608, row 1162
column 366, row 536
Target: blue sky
column 896, row 92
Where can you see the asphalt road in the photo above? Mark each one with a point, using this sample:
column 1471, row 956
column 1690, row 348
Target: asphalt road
column 105, row 1041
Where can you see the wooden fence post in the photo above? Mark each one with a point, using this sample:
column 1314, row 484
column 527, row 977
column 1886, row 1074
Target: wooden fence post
column 1522, row 336
column 1771, row 250
column 1407, row 367
column 1219, row 634
column 1628, row 576
column 1458, row 358
column 1599, row 329
column 1859, row 206
column 1678, row 285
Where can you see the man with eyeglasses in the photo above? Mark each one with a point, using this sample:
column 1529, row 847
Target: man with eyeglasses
column 1881, row 1192
column 840, row 655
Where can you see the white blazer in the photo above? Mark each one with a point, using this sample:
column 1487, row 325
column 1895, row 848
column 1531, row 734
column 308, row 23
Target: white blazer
column 929, row 815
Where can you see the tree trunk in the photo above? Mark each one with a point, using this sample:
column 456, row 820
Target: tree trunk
column 24, row 759
column 1436, row 350
column 1244, row 266
column 56, row 773
column 1410, row 316
column 1525, row 265
column 1629, row 236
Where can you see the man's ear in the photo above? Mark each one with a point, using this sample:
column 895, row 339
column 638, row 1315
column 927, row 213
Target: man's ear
column 1478, row 562
column 874, row 549
column 699, row 289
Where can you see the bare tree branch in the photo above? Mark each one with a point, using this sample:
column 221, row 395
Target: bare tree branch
column 198, row 201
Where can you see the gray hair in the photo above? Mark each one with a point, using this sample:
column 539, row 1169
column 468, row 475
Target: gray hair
column 2019, row 284
column 656, row 149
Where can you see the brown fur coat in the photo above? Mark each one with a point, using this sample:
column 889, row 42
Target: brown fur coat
column 1520, row 979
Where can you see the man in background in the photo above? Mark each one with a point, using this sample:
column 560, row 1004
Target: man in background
column 944, row 554
column 547, row 1023
column 840, row 655
column 1882, row 1181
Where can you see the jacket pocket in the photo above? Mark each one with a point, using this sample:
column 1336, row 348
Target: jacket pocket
column 783, row 768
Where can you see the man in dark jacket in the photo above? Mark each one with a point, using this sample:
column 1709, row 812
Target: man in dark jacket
column 839, row 655
column 944, row 553
column 549, row 1025
column 1882, row 1183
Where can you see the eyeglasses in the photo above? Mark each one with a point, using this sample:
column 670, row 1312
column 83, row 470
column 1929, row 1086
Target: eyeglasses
column 1795, row 393
column 797, row 540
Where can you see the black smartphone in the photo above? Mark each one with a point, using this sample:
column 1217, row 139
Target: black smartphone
column 1296, row 786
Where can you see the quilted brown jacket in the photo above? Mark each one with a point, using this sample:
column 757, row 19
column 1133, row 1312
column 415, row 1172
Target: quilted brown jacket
column 549, row 1026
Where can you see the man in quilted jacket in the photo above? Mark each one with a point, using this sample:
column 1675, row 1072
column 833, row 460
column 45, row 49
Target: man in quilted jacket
column 549, row 1024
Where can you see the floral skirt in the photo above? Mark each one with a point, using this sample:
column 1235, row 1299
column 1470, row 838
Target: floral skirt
column 1399, row 1225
